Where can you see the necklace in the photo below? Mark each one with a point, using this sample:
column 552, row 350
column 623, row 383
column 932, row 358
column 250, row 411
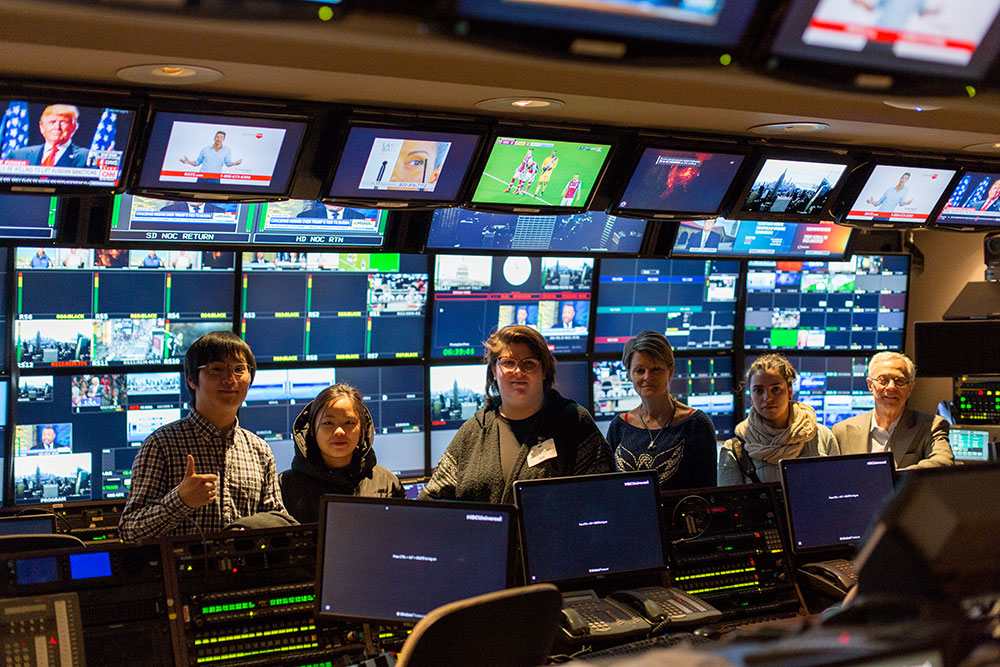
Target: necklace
column 652, row 438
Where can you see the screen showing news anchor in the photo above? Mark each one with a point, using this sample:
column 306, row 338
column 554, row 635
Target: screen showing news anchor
column 975, row 201
column 135, row 218
column 225, row 154
column 761, row 238
column 25, row 217
column 792, row 187
column 679, row 181
column 900, row 194
column 62, row 145
column 538, row 172
column 954, row 38
column 299, row 222
column 383, row 163
column 590, row 231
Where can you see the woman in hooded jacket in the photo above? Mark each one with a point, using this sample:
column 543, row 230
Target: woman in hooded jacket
column 333, row 454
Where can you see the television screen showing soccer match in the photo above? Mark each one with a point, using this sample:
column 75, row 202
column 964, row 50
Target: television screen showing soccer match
column 541, row 173
column 380, row 163
column 220, row 154
column 62, row 146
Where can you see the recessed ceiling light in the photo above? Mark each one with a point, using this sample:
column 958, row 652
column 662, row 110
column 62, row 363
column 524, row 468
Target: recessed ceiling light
column 794, row 127
column 519, row 103
column 912, row 106
column 989, row 147
column 170, row 74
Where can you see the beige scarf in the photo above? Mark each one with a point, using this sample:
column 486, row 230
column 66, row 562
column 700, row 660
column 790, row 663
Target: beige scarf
column 771, row 444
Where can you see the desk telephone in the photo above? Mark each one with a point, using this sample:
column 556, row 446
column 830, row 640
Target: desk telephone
column 631, row 611
column 831, row 577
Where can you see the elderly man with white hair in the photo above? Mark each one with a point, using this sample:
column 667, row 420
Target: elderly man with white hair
column 916, row 439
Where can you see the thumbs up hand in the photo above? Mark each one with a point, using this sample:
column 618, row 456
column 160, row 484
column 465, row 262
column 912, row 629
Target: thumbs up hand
column 197, row 490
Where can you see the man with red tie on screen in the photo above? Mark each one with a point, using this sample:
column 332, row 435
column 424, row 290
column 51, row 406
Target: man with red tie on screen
column 58, row 125
column 991, row 202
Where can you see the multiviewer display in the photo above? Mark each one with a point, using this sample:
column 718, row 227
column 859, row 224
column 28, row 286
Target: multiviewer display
column 761, row 238
column 955, row 39
column 394, row 395
column 4, row 327
column 63, row 146
column 692, row 302
column 26, row 217
column 291, row 222
column 790, row 188
column 476, row 295
column 975, row 201
column 77, row 435
column 325, row 306
column 112, row 307
column 590, row 231
column 859, row 304
column 671, row 181
column 541, row 173
column 380, row 163
column 220, row 154
column 900, row 194
column 705, row 383
column 834, row 387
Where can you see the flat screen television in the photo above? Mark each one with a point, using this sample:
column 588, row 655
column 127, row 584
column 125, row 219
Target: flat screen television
column 550, row 173
column 27, row 217
column 858, row 304
column 898, row 196
column 474, row 295
column 667, row 182
column 590, row 231
column 918, row 40
column 791, row 188
column 407, row 557
column 114, row 307
column 61, row 146
column 219, row 157
column 390, row 166
column 292, row 222
column 760, row 238
column 691, row 302
column 973, row 204
column 342, row 306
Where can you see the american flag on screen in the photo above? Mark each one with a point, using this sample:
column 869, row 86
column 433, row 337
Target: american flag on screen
column 104, row 135
column 14, row 128
column 956, row 196
column 979, row 194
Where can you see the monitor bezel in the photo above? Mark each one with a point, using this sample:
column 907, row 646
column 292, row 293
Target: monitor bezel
column 639, row 475
column 326, row 500
column 402, row 125
column 836, row 257
column 129, row 153
column 762, row 158
column 965, row 168
column 679, row 145
column 539, row 133
column 858, row 179
column 784, row 464
column 108, row 218
column 235, row 112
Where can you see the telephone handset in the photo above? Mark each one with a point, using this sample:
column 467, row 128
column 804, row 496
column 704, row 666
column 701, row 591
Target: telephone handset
column 658, row 604
column 586, row 615
column 831, row 577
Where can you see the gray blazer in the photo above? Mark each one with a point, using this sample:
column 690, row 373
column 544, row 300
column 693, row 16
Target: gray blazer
column 919, row 441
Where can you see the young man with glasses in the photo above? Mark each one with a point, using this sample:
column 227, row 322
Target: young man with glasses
column 916, row 439
column 526, row 430
column 205, row 471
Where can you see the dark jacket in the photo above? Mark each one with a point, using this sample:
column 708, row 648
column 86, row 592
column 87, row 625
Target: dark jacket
column 309, row 478
column 470, row 467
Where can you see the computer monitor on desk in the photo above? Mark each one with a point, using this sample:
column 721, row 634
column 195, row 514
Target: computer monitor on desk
column 971, row 444
column 832, row 499
column 589, row 527
column 394, row 560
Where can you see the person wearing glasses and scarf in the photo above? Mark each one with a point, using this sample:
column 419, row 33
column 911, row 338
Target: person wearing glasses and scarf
column 916, row 439
column 776, row 428
column 526, row 430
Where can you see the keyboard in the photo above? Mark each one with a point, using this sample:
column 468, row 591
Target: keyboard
column 643, row 645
